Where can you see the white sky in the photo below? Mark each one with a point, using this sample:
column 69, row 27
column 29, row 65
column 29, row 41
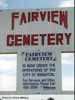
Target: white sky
column 67, row 3
column 12, row 4
column 67, row 71
column 8, row 68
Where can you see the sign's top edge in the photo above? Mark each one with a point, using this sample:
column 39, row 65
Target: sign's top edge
column 1, row 10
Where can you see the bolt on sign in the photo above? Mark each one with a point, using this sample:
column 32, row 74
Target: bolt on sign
column 38, row 36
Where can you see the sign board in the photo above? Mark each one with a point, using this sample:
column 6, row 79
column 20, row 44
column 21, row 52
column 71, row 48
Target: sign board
column 39, row 71
column 38, row 36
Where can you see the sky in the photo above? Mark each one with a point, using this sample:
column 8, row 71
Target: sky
column 18, row 4
column 8, row 68
column 8, row 74
column 67, row 60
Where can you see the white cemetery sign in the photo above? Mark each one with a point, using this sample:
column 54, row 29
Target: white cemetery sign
column 38, row 37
